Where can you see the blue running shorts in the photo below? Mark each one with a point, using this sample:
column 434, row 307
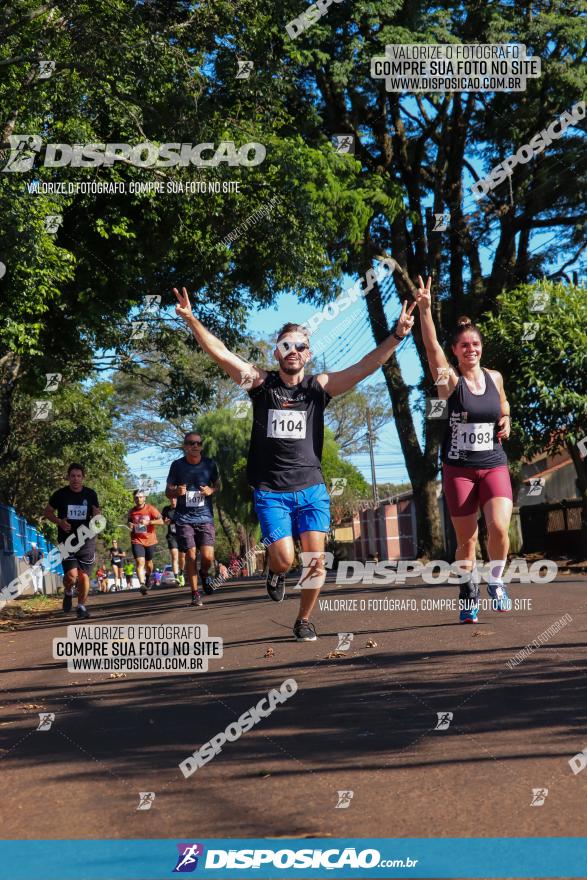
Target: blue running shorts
column 284, row 514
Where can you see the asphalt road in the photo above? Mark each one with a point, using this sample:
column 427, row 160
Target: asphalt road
column 362, row 722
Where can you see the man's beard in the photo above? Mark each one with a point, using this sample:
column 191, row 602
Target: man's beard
column 291, row 369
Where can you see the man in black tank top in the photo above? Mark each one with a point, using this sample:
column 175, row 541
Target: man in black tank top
column 284, row 462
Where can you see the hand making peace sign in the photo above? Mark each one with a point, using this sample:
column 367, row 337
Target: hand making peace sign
column 423, row 294
column 405, row 322
column 183, row 308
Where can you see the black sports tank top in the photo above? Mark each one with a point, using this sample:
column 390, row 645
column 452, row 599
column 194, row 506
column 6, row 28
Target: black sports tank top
column 471, row 433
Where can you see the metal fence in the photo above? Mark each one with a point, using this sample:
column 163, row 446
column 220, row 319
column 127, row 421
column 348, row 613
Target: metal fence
column 16, row 536
column 553, row 528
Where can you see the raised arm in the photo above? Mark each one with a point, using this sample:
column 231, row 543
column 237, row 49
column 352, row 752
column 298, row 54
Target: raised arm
column 444, row 376
column 343, row 380
column 244, row 374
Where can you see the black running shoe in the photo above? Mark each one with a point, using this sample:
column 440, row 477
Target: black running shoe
column 67, row 602
column 276, row 586
column 208, row 584
column 82, row 613
column 143, row 589
column 197, row 600
column 304, row 631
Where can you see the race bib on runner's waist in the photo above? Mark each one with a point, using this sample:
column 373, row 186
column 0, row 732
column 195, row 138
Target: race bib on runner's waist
column 475, row 437
column 77, row 511
column 194, row 498
column 288, row 424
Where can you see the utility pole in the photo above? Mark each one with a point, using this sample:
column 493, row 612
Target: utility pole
column 372, row 457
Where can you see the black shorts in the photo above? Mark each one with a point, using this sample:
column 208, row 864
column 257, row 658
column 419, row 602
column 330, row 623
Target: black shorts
column 82, row 559
column 195, row 535
column 172, row 542
column 117, row 562
column 139, row 551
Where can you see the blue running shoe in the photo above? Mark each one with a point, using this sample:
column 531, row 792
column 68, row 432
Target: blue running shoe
column 500, row 599
column 469, row 615
column 469, row 602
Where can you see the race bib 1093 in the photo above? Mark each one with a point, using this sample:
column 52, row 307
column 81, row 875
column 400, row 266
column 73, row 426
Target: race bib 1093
column 475, row 437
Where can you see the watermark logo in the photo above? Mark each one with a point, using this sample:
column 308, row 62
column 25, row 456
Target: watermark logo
column 41, row 410
column 264, row 708
column 241, row 409
column 151, row 302
column 526, row 152
column 143, row 155
column 245, row 68
column 540, row 640
column 441, row 222
column 52, row 381
column 23, row 148
column 444, row 719
column 46, row 719
column 443, row 376
column 146, row 799
column 337, row 486
column 529, row 331
column 313, row 569
column 311, row 15
column 138, row 329
column 46, row 69
column 436, row 408
column 582, row 447
column 344, row 143
column 344, row 641
column 187, row 859
column 540, row 301
column 2, row 270
column 534, row 488
column 578, row 762
column 344, row 799
column 53, row 222
column 539, row 795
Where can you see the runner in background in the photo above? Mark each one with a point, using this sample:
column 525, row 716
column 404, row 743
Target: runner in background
column 177, row 556
column 101, row 579
column 70, row 508
column 142, row 519
column 129, row 571
column 34, row 558
column 474, row 463
column 117, row 561
column 192, row 480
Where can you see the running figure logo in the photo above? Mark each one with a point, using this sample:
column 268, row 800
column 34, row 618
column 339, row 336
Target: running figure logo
column 53, row 222
column 46, row 719
column 53, row 380
column 344, row 143
column 540, row 301
column 245, row 68
column 22, row 151
column 187, row 860
column 344, row 800
column 436, row 408
column 46, row 69
column 146, row 799
column 344, row 641
column 310, row 570
column 539, row 795
column 441, row 222
column 41, row 410
column 444, row 719
column 337, row 486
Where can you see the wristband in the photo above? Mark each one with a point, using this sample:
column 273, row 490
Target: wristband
column 400, row 338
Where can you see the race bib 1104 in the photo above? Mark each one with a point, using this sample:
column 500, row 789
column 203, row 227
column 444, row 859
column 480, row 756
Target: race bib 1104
column 289, row 424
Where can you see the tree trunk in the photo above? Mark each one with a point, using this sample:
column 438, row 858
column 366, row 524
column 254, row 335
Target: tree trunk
column 228, row 529
column 581, row 468
column 9, row 372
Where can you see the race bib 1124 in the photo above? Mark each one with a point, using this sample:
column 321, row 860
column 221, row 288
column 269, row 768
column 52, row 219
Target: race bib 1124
column 77, row 511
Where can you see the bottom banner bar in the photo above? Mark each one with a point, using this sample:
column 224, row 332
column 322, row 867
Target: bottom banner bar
column 510, row 857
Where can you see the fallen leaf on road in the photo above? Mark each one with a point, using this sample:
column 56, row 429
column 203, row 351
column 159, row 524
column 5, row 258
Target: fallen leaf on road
column 370, row 643
column 269, row 653
column 480, row 632
column 118, row 675
column 334, row 655
column 33, row 706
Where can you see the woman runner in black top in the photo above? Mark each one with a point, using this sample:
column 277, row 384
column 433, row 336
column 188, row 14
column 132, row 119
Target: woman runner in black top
column 474, row 464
